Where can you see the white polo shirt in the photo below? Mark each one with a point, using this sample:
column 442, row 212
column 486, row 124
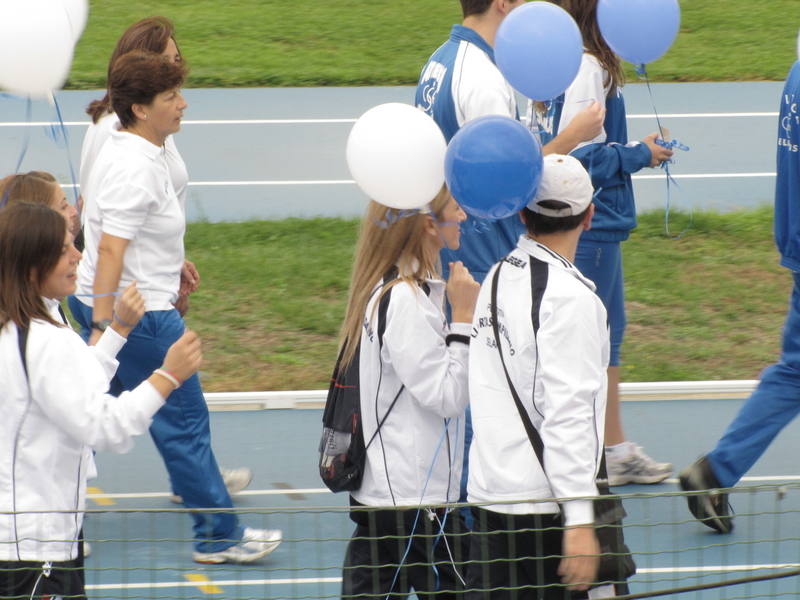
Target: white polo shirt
column 99, row 132
column 131, row 196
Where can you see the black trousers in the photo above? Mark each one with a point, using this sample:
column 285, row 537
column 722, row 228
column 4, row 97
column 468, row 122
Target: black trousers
column 431, row 564
column 21, row 579
column 516, row 557
column 25, row 579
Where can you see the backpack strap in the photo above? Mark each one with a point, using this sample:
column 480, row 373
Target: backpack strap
column 383, row 309
column 22, row 337
column 539, row 274
column 533, row 435
column 383, row 305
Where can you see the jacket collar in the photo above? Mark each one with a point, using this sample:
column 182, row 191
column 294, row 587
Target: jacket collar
column 553, row 258
column 460, row 33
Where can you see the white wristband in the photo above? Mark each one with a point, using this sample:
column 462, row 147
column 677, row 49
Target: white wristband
column 169, row 376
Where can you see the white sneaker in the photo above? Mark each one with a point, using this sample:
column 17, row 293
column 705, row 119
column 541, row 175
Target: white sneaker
column 235, row 481
column 255, row 544
column 637, row 467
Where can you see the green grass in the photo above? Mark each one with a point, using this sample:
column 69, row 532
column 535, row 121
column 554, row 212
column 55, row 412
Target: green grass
column 252, row 43
column 273, row 293
column 708, row 306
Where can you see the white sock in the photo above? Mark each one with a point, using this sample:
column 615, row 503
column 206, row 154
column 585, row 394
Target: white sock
column 618, row 452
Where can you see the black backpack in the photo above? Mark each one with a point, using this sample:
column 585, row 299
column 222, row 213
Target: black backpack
column 342, row 451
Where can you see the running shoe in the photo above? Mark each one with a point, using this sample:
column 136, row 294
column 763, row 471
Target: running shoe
column 637, row 467
column 255, row 544
column 712, row 510
column 235, row 481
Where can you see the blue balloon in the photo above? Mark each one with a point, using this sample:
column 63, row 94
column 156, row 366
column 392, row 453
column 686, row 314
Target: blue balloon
column 639, row 31
column 493, row 167
column 538, row 49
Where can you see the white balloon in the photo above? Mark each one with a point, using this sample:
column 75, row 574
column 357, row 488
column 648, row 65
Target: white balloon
column 395, row 153
column 78, row 13
column 36, row 46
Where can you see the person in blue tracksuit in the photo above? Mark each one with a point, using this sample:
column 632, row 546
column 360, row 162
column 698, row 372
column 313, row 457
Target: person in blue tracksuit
column 610, row 160
column 776, row 401
column 459, row 83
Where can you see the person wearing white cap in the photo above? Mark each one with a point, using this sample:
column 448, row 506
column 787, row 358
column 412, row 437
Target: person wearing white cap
column 542, row 330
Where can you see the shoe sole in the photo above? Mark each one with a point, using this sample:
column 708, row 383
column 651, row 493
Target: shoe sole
column 236, row 490
column 702, row 509
column 218, row 559
column 616, row 482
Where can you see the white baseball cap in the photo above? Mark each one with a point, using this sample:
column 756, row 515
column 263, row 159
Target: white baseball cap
column 563, row 179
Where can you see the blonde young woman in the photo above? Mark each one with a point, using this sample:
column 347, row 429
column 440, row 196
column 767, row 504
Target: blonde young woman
column 414, row 380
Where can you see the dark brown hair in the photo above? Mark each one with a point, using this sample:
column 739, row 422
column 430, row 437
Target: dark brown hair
column 151, row 35
column 31, row 243
column 475, row 7
column 539, row 224
column 35, row 187
column 585, row 14
column 137, row 78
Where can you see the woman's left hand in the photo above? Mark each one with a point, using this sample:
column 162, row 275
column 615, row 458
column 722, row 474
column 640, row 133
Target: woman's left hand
column 128, row 311
column 182, row 305
column 190, row 278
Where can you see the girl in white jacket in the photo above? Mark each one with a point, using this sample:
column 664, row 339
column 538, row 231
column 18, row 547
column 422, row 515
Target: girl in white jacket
column 414, row 377
column 54, row 404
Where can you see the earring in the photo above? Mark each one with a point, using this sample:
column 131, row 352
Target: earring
column 145, row 117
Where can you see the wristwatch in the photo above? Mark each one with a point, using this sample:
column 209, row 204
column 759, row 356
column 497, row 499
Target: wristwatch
column 101, row 325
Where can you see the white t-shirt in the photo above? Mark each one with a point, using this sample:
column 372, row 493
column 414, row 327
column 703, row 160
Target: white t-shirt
column 131, row 196
column 99, row 132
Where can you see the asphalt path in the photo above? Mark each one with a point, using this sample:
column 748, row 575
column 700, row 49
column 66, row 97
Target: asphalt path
column 275, row 153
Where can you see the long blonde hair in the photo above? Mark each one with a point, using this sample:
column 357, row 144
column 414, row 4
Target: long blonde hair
column 381, row 247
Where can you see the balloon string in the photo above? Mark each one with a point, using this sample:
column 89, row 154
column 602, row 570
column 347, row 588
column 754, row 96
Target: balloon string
column 65, row 136
column 28, row 119
column 641, row 71
column 97, row 295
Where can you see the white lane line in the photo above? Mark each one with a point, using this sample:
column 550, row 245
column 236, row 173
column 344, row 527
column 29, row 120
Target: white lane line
column 705, row 115
column 338, row 121
column 702, row 175
column 242, row 493
column 318, row 580
column 712, row 569
column 295, row 182
column 352, row 182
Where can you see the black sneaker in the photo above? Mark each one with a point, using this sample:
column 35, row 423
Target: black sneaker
column 711, row 510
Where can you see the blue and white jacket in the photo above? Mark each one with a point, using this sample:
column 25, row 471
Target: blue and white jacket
column 460, row 83
column 787, row 184
column 608, row 158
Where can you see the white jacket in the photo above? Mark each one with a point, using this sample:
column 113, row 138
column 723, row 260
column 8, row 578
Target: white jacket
column 44, row 432
column 413, row 460
column 560, row 376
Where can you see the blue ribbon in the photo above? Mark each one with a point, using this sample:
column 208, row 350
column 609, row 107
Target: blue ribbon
column 61, row 138
column 419, row 510
column 57, row 133
column 641, row 71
